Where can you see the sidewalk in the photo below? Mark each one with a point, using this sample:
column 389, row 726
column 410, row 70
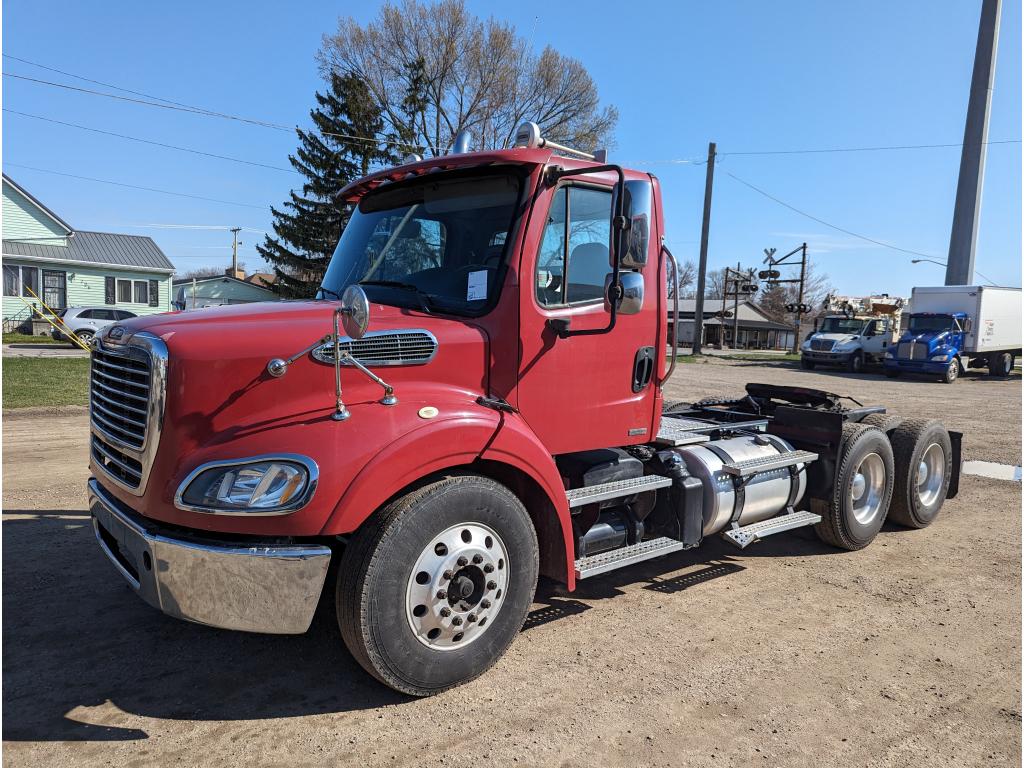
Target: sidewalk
column 42, row 350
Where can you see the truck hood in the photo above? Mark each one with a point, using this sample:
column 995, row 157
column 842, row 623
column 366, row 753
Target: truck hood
column 928, row 337
column 836, row 338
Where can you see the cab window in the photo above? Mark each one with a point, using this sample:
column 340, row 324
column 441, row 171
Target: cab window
column 573, row 258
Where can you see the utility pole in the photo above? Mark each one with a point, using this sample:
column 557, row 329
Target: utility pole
column 800, row 299
column 234, row 250
column 736, row 308
column 702, row 268
column 963, row 239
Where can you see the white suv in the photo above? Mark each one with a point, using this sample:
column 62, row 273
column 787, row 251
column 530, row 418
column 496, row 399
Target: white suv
column 86, row 322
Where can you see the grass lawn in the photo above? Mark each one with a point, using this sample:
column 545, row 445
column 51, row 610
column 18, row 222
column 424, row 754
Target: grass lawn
column 24, row 338
column 42, row 381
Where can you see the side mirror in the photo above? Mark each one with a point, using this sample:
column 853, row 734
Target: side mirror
column 630, row 299
column 967, row 325
column 355, row 311
column 638, row 199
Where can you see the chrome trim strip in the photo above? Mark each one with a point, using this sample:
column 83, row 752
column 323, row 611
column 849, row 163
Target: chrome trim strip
column 108, row 399
column 325, row 352
column 251, row 586
column 300, row 501
column 156, row 349
column 98, row 445
column 126, row 419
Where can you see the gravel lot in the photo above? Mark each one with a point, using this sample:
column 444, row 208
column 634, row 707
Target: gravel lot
column 788, row 653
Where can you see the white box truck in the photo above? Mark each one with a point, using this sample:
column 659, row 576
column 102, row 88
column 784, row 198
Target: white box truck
column 954, row 327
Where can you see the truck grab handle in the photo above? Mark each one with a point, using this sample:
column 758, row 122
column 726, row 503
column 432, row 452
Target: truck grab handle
column 675, row 314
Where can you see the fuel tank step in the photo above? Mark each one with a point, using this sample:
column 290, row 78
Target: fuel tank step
column 768, row 463
column 675, row 430
column 748, row 534
column 592, row 493
column 620, row 558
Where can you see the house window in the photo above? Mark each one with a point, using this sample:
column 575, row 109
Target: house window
column 124, row 291
column 21, row 281
column 141, row 292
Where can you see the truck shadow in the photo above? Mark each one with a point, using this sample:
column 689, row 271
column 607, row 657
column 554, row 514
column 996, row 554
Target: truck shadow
column 80, row 648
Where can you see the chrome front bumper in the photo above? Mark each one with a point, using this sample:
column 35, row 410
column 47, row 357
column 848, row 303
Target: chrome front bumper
column 234, row 585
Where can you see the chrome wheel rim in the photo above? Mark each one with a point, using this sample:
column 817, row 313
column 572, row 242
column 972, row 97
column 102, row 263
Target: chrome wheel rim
column 931, row 471
column 954, row 370
column 457, row 586
column 867, row 489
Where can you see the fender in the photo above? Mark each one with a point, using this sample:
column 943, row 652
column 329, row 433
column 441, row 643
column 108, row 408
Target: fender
column 518, row 446
column 430, row 448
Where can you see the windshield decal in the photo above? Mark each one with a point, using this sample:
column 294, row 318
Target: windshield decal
column 476, row 285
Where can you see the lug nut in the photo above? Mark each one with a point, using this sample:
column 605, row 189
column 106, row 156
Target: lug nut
column 492, row 585
column 441, row 594
column 462, row 561
column 457, row 621
column 488, row 568
column 446, row 612
column 485, row 603
column 471, row 618
column 477, row 559
column 447, row 575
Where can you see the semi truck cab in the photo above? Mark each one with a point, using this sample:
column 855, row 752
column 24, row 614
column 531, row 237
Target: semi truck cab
column 474, row 397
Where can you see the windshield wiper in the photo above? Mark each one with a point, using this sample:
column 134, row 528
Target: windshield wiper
column 423, row 296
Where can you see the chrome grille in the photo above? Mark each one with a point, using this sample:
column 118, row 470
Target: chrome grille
column 822, row 345
column 911, row 350
column 120, row 394
column 115, row 463
column 412, row 347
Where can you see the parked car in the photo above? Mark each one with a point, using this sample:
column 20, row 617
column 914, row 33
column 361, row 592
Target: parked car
column 86, row 322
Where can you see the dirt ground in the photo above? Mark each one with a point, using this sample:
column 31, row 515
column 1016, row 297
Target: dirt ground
column 787, row 653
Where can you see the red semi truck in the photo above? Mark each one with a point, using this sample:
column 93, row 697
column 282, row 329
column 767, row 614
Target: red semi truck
column 474, row 398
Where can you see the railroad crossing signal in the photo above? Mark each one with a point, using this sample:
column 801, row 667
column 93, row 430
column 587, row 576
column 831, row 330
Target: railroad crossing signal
column 769, row 274
column 801, row 308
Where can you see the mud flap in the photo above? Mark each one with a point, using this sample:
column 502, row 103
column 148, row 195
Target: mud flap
column 955, row 439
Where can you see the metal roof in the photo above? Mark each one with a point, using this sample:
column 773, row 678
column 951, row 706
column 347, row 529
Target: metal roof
column 123, row 251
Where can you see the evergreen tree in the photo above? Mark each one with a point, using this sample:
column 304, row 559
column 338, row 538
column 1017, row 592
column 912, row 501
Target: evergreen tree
column 308, row 225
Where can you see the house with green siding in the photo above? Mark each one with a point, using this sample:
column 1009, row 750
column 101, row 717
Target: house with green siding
column 64, row 267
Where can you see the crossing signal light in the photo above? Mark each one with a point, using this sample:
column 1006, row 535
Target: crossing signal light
column 769, row 274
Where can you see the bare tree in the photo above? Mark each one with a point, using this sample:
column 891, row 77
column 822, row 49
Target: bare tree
column 685, row 280
column 436, row 69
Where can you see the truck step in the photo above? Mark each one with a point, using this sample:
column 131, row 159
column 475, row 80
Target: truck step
column 748, row 534
column 681, row 431
column 620, row 558
column 751, row 467
column 592, row 493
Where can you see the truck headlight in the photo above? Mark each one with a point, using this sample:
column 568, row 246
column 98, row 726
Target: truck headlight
column 891, row 355
column 267, row 486
column 939, row 358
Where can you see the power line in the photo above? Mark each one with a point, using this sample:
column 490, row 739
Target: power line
column 154, row 101
column 822, row 221
column 148, row 141
column 861, row 149
column 134, row 186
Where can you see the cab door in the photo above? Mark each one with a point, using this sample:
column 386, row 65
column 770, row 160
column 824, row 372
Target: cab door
column 588, row 391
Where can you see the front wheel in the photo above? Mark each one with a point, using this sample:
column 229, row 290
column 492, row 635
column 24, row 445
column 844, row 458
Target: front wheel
column 434, row 587
column 862, row 488
column 84, row 336
column 952, row 371
column 856, row 362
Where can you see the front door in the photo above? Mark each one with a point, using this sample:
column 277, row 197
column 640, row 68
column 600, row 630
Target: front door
column 579, row 393
column 55, row 289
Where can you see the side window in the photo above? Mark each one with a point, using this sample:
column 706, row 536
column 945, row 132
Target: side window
column 121, row 314
column 573, row 259
column 103, row 314
column 10, row 280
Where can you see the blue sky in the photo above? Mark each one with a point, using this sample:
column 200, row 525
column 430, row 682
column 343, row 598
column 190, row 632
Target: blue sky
column 751, row 76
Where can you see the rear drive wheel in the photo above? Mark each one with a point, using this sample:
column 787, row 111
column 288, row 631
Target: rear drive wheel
column 1000, row 364
column 952, row 371
column 434, row 587
column 856, row 362
column 886, row 422
column 807, row 365
column 924, row 466
column 862, row 490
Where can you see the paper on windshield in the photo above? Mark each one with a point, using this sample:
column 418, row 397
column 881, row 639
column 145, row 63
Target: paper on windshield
column 476, row 285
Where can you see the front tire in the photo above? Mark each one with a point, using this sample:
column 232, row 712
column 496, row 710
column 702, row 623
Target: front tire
column 952, row 372
column 924, row 466
column 856, row 362
column 435, row 586
column 862, row 489
column 85, row 337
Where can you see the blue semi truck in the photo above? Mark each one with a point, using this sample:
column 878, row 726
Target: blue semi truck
column 955, row 327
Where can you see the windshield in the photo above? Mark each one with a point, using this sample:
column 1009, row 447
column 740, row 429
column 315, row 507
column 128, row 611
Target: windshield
column 433, row 245
column 930, row 323
column 841, row 325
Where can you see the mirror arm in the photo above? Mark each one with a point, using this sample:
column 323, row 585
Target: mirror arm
column 675, row 315
column 618, row 227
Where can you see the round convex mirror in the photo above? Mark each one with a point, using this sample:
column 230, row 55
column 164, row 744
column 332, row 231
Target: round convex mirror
column 356, row 316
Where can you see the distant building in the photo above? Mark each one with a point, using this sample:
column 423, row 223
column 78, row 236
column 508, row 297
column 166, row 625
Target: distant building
column 262, row 279
column 217, row 291
column 65, row 267
column 756, row 330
